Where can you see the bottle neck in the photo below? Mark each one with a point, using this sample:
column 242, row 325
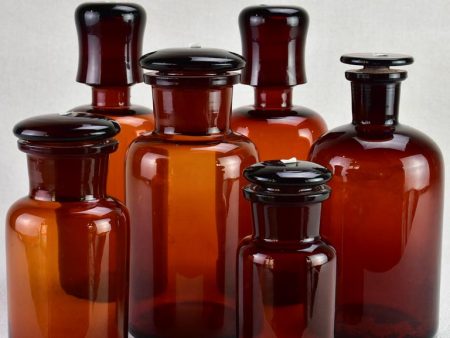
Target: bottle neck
column 67, row 178
column 111, row 97
column 375, row 105
column 192, row 110
column 286, row 222
column 273, row 98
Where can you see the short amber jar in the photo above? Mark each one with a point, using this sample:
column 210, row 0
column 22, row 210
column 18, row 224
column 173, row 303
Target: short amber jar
column 286, row 273
column 67, row 241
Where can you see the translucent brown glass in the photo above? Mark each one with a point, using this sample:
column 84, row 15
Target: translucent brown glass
column 110, row 38
column 188, row 215
column 384, row 218
column 273, row 43
column 278, row 128
column 67, row 251
column 286, row 273
column 114, row 103
column 286, row 280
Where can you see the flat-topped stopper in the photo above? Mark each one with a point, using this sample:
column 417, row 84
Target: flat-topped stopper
column 287, row 181
column 191, row 66
column 376, row 66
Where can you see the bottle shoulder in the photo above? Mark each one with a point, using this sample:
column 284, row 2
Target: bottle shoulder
column 28, row 215
column 96, row 208
column 295, row 115
column 32, row 206
column 225, row 144
column 344, row 141
column 133, row 110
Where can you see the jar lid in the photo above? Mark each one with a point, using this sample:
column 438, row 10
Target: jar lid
column 174, row 66
column 376, row 66
column 110, row 43
column 66, row 127
column 273, row 43
column 194, row 59
column 70, row 132
column 287, row 181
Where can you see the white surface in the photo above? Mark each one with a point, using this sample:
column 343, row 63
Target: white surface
column 38, row 62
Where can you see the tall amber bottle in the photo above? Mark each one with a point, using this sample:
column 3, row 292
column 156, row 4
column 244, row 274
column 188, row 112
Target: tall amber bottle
column 286, row 273
column 385, row 215
column 273, row 43
column 187, row 212
column 110, row 44
column 67, row 242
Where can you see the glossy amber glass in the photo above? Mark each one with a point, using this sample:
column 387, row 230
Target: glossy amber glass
column 273, row 43
column 110, row 36
column 278, row 128
column 67, row 251
column 287, row 286
column 188, row 215
column 286, row 273
column 384, row 218
column 114, row 103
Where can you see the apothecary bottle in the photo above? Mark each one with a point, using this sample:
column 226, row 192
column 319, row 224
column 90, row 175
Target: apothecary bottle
column 110, row 43
column 273, row 43
column 67, row 241
column 183, row 190
column 385, row 215
column 286, row 273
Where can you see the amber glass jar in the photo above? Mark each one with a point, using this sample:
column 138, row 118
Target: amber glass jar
column 67, row 242
column 286, row 273
column 385, row 215
column 110, row 44
column 184, row 185
column 273, row 43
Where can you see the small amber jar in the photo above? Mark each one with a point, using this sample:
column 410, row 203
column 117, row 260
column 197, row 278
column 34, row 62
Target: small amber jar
column 286, row 273
column 273, row 43
column 110, row 44
column 67, row 242
column 385, row 215
column 187, row 212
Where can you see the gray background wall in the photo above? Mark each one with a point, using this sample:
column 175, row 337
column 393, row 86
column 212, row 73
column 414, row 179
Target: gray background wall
column 38, row 61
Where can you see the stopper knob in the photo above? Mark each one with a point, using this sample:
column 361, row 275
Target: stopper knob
column 110, row 43
column 273, row 174
column 273, row 43
column 376, row 66
column 287, row 181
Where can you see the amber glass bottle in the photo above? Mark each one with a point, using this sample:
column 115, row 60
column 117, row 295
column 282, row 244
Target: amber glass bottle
column 273, row 41
column 67, row 242
column 110, row 44
column 286, row 273
column 184, row 185
column 385, row 215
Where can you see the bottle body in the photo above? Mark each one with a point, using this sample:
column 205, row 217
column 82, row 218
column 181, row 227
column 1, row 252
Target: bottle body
column 286, row 291
column 67, row 269
column 188, row 216
column 278, row 128
column 385, row 222
column 134, row 120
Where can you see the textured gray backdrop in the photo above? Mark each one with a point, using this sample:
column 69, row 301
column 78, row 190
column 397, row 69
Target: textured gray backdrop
column 38, row 62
